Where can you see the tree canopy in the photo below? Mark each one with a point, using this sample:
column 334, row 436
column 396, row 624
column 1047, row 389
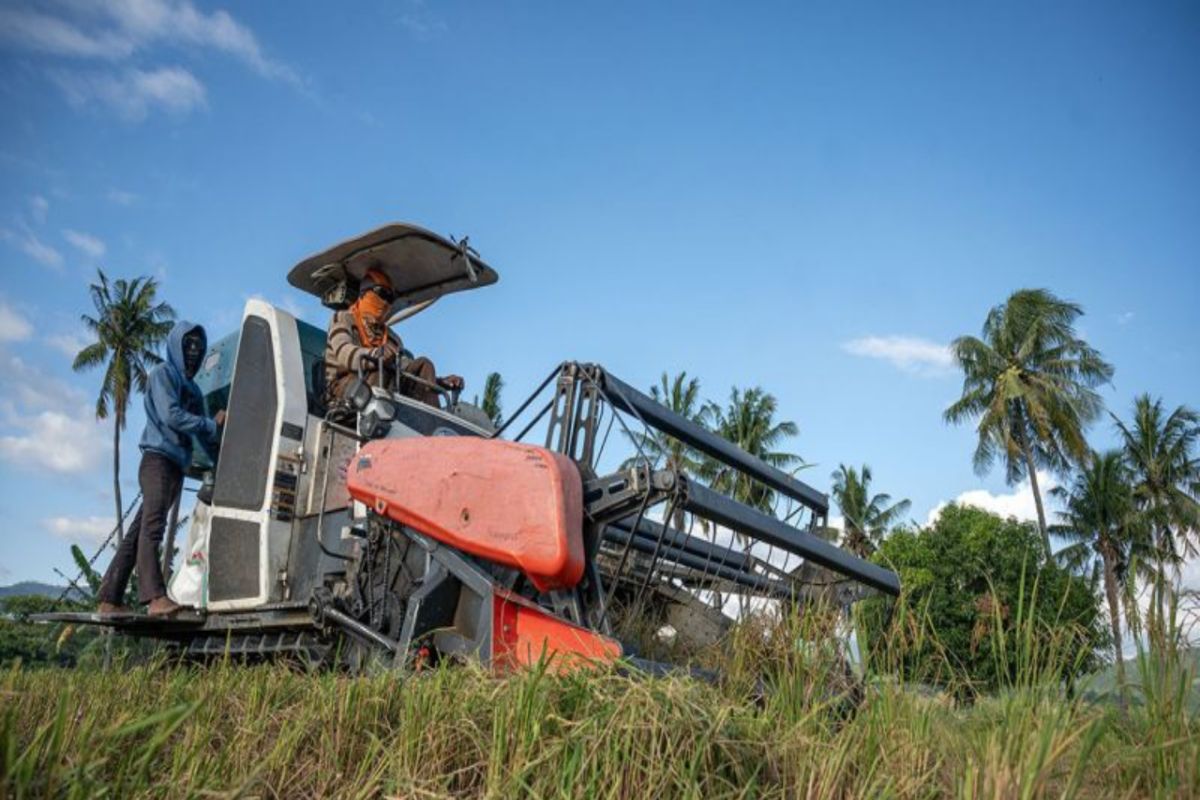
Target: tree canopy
column 979, row 597
column 1099, row 521
column 749, row 422
column 1030, row 381
column 867, row 517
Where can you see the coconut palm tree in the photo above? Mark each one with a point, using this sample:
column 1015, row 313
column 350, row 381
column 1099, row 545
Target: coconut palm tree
column 748, row 421
column 1100, row 523
column 1030, row 382
column 681, row 395
column 1160, row 450
column 867, row 517
column 129, row 326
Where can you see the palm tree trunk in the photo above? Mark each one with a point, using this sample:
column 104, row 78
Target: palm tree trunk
column 1158, row 605
column 108, row 634
column 117, row 477
column 1114, row 614
column 1133, row 614
column 1031, row 468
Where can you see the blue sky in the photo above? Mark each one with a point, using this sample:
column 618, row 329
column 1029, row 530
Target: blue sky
column 815, row 198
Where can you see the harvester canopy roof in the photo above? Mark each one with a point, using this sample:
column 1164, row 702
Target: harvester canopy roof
column 421, row 265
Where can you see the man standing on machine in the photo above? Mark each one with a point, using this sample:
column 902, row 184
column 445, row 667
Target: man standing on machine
column 174, row 414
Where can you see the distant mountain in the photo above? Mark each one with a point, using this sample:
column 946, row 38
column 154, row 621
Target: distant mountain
column 35, row 588
column 1103, row 684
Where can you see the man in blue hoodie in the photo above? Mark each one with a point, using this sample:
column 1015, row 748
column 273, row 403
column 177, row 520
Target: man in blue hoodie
column 174, row 414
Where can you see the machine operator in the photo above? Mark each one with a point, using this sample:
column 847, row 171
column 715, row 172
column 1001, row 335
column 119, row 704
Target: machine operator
column 360, row 341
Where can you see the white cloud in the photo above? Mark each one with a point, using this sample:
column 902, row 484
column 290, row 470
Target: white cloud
column 54, row 441
column 46, row 424
column 147, row 21
column 1125, row 317
column 909, row 353
column 39, row 207
column 69, row 344
column 1019, row 503
column 80, row 530
column 34, row 30
column 133, row 93
column 13, row 326
column 33, row 247
column 85, row 243
column 23, row 388
column 1190, row 574
column 118, row 29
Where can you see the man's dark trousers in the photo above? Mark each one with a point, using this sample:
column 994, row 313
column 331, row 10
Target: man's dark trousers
column 160, row 479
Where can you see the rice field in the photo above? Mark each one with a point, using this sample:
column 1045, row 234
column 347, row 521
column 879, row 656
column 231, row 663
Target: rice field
column 782, row 720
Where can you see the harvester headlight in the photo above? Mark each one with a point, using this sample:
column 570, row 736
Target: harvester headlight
column 371, row 426
column 358, row 394
column 385, row 410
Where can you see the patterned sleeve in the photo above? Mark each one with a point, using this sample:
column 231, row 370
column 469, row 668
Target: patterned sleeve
column 341, row 348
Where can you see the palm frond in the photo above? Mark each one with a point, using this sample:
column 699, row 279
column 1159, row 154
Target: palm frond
column 128, row 327
column 1029, row 383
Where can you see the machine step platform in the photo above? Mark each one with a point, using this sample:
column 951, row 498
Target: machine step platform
column 132, row 620
column 188, row 621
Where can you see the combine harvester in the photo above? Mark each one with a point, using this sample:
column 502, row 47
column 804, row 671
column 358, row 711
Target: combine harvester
column 387, row 528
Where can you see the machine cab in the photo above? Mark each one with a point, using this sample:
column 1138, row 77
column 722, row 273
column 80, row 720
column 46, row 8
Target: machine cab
column 275, row 504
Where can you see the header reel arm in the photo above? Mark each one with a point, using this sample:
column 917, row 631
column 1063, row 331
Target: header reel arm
column 611, row 501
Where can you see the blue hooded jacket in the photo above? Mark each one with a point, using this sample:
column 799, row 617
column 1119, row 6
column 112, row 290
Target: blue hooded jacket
column 175, row 406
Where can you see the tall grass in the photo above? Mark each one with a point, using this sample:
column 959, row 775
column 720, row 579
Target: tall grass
column 784, row 719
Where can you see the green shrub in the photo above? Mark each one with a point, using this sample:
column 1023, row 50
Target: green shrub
column 982, row 587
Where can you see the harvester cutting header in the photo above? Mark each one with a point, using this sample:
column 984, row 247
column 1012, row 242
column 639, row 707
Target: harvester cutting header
column 359, row 506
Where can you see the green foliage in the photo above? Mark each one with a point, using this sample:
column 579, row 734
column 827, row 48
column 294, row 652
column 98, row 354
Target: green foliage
column 492, row 386
column 1099, row 518
column 748, row 420
column 985, row 599
column 1161, row 451
column 1030, row 381
column 1101, row 524
column 867, row 517
column 90, row 575
column 230, row 731
column 29, row 644
column 682, row 396
column 130, row 324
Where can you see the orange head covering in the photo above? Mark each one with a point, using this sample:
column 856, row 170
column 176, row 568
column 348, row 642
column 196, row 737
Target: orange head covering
column 371, row 308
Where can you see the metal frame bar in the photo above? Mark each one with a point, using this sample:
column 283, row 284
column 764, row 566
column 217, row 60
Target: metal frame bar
column 676, row 555
column 710, row 551
column 711, row 505
column 625, row 398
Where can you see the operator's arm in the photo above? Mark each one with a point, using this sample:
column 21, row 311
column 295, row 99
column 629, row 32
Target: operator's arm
column 169, row 405
column 213, row 446
column 341, row 349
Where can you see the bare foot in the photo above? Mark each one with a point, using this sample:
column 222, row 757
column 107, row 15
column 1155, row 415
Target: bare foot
column 164, row 607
